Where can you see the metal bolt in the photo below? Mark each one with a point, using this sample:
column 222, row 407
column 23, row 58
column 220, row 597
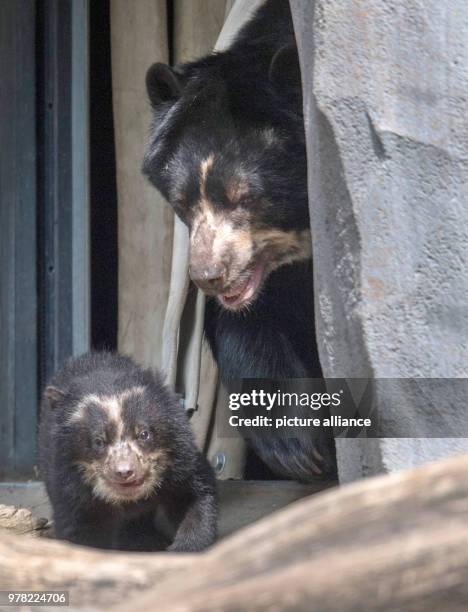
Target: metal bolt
column 219, row 461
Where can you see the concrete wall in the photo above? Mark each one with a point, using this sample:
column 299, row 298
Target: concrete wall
column 385, row 87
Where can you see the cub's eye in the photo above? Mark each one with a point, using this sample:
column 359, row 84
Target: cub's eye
column 98, row 442
column 144, row 435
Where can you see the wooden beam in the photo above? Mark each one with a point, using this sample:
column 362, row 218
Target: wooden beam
column 396, row 542
column 145, row 220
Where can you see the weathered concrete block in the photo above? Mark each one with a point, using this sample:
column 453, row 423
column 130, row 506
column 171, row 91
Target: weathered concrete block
column 385, row 87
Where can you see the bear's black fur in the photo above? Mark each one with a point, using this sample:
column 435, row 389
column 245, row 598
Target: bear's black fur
column 119, row 460
column 227, row 149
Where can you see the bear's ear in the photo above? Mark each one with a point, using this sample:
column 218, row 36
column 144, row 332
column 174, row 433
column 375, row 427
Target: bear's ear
column 162, row 84
column 284, row 67
column 53, row 395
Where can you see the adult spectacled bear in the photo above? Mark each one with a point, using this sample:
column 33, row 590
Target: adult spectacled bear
column 227, row 150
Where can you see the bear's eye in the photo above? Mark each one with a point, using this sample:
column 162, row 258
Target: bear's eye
column 183, row 211
column 144, row 435
column 99, row 442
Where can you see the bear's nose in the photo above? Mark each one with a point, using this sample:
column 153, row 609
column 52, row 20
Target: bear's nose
column 124, row 471
column 210, row 278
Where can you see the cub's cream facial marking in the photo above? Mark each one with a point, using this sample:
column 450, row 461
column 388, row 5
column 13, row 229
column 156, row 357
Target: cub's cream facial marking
column 112, row 404
column 145, row 469
column 113, row 407
column 153, row 464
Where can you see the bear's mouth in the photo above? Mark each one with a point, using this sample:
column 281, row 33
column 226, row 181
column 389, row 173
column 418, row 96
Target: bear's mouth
column 244, row 292
column 128, row 486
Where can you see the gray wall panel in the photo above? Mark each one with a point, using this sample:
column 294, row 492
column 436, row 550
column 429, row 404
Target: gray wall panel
column 18, row 305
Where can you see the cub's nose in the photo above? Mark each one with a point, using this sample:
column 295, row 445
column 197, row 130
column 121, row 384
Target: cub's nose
column 124, row 471
column 210, row 278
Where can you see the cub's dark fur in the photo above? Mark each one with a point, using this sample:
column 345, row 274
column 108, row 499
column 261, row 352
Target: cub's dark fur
column 119, row 460
column 227, row 149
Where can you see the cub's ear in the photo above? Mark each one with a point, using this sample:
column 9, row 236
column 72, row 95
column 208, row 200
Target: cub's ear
column 162, row 84
column 53, row 395
column 284, row 67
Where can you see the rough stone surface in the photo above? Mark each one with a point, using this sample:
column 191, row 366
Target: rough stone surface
column 385, row 87
column 22, row 521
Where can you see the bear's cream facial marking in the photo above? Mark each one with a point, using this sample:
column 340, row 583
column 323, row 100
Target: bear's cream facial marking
column 205, row 166
column 242, row 256
column 230, row 254
column 151, row 465
column 122, row 468
column 237, row 189
column 271, row 249
column 111, row 404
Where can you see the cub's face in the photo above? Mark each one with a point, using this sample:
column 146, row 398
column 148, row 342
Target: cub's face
column 117, row 445
column 240, row 189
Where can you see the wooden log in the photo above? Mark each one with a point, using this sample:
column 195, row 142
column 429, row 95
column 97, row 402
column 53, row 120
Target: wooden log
column 96, row 579
column 396, row 542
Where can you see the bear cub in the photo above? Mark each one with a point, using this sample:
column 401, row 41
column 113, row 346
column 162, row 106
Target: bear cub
column 120, row 462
